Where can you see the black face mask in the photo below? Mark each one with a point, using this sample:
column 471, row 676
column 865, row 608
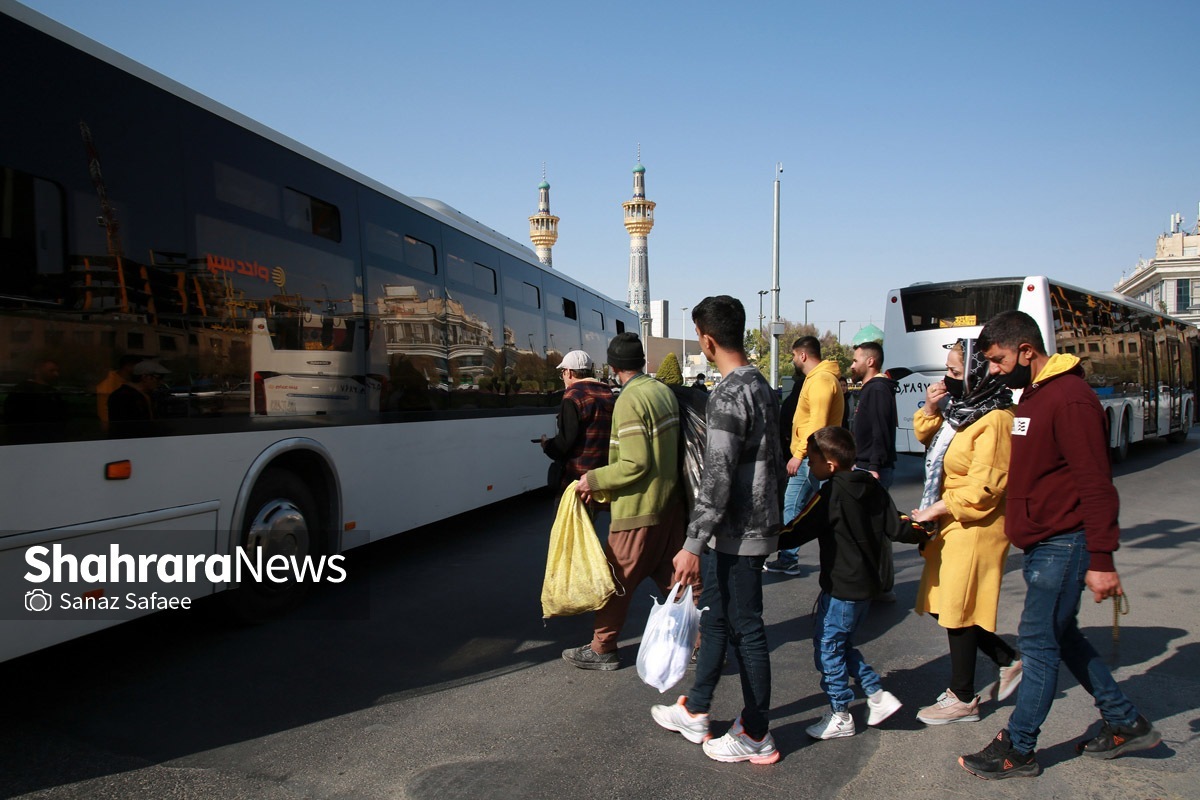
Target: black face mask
column 1019, row 378
column 954, row 387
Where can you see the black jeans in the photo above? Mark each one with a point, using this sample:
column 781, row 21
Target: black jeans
column 733, row 594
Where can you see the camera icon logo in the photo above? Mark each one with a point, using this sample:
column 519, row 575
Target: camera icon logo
column 38, row 600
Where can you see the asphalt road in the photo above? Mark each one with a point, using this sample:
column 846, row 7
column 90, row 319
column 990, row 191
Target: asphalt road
column 431, row 675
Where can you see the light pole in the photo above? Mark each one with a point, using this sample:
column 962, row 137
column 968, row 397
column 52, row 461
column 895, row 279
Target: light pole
column 806, row 302
column 840, row 321
column 682, row 340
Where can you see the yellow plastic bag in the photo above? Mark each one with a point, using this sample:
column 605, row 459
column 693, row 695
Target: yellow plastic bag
column 578, row 577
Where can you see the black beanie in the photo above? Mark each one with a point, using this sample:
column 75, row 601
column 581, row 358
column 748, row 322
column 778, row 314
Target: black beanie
column 625, row 352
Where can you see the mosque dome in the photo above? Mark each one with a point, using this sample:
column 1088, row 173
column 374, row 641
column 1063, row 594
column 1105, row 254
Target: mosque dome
column 543, row 185
column 867, row 333
column 639, row 168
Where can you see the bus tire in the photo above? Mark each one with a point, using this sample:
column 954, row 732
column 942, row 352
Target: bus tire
column 1121, row 450
column 281, row 519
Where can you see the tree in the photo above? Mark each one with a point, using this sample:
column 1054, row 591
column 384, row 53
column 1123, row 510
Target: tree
column 830, row 348
column 668, row 370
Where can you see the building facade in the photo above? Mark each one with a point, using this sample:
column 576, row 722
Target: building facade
column 1170, row 282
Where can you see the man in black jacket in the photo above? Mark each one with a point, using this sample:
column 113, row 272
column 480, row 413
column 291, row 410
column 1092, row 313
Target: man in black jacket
column 875, row 419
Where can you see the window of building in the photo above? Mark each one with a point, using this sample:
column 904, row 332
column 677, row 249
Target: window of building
column 1183, row 295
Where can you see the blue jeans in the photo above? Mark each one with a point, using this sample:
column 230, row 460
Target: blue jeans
column 834, row 653
column 733, row 594
column 1049, row 635
column 800, row 488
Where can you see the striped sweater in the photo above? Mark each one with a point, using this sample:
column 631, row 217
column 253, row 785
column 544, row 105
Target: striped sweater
column 642, row 476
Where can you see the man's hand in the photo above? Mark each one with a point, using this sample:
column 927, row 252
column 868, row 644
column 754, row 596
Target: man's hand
column 687, row 568
column 583, row 490
column 1103, row 584
column 793, row 466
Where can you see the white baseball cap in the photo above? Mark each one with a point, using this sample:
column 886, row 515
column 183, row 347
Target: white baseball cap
column 576, row 359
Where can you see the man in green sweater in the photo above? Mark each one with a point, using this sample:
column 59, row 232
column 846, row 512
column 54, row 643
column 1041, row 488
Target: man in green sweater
column 641, row 484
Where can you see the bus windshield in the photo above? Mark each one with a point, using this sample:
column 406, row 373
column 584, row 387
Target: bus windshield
column 961, row 305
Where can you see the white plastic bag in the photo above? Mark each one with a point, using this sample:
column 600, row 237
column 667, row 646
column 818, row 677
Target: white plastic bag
column 669, row 640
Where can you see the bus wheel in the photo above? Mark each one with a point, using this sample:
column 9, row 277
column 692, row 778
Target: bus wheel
column 1122, row 449
column 281, row 520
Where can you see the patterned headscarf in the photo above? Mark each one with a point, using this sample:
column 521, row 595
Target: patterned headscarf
column 981, row 393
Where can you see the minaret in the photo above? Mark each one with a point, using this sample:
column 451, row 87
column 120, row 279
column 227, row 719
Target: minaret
column 543, row 226
column 639, row 219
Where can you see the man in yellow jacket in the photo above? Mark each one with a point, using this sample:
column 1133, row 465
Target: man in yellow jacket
column 821, row 404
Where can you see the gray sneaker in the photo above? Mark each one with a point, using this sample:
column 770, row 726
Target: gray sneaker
column 587, row 658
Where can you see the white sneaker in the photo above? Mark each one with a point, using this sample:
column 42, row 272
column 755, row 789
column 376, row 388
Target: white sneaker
column 834, row 725
column 882, row 705
column 738, row 746
column 1010, row 679
column 693, row 727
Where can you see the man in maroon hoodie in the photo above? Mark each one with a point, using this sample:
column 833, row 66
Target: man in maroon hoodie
column 1062, row 511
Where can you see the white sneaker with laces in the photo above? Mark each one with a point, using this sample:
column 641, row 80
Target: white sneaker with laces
column 834, row 725
column 693, row 727
column 738, row 746
column 1010, row 679
column 881, row 705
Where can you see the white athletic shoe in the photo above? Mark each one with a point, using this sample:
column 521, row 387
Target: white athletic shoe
column 881, row 705
column 738, row 746
column 834, row 725
column 693, row 727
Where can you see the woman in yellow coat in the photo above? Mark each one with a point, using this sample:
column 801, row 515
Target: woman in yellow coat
column 966, row 424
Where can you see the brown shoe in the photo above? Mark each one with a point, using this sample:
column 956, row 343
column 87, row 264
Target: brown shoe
column 949, row 708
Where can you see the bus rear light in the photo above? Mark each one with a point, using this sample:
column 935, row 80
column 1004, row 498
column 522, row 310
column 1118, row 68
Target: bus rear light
column 1029, row 287
column 349, row 526
column 118, row 470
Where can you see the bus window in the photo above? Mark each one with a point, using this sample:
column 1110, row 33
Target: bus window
column 956, row 306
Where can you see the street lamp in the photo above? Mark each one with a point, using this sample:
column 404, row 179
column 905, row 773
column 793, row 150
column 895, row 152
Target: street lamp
column 682, row 339
column 760, row 312
column 840, row 321
column 806, row 302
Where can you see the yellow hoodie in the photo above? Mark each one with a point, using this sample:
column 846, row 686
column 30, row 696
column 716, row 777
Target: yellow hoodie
column 821, row 404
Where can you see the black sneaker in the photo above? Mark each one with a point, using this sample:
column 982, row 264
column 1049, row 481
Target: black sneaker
column 999, row 760
column 1113, row 740
column 587, row 658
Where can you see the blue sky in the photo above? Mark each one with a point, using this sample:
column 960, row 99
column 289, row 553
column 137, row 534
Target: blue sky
column 920, row 140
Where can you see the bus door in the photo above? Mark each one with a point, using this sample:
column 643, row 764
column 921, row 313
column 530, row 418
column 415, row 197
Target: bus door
column 1174, row 381
column 1195, row 382
column 1149, row 384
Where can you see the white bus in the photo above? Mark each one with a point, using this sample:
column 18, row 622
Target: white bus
column 345, row 363
column 1143, row 365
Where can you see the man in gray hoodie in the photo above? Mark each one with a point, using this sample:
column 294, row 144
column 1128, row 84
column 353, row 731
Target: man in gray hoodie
column 737, row 520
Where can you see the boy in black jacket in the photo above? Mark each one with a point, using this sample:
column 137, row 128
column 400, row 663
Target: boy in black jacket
column 854, row 519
